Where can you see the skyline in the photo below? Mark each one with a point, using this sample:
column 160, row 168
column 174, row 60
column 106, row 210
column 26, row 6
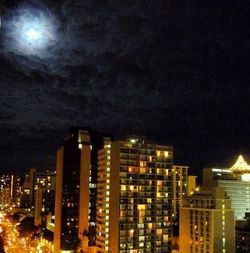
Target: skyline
column 175, row 72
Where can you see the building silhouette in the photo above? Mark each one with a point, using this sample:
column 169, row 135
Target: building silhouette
column 75, row 201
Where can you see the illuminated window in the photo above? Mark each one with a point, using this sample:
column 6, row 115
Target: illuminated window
column 143, row 163
column 142, row 170
column 159, row 182
column 141, row 238
column 131, row 232
column 158, row 194
column 133, row 251
column 149, row 200
column 159, row 231
column 141, row 207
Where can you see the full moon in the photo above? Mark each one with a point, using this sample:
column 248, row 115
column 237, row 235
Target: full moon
column 33, row 34
column 31, row 31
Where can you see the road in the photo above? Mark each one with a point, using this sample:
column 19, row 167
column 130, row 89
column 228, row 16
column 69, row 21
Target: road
column 12, row 243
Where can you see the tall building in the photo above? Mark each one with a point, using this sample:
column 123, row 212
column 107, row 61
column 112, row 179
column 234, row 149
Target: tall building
column 44, row 196
column 27, row 190
column 236, row 182
column 180, row 186
column 180, row 191
column 134, row 197
column 10, row 190
column 75, row 201
column 207, row 223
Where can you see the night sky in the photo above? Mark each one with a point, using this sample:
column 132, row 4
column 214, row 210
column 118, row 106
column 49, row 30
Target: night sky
column 175, row 71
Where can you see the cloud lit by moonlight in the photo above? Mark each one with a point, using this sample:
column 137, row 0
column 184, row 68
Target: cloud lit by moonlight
column 30, row 31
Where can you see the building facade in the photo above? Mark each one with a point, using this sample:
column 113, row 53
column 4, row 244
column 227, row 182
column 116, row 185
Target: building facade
column 207, row 223
column 180, row 186
column 75, row 201
column 134, row 197
column 236, row 182
column 10, row 190
column 45, row 183
column 27, row 190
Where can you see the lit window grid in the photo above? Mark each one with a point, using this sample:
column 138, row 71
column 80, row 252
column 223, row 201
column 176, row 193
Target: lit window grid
column 128, row 219
column 103, row 191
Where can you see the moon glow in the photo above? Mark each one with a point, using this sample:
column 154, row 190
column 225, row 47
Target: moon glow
column 31, row 31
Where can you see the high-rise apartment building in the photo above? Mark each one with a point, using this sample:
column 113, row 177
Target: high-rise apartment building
column 207, row 223
column 27, row 190
column 75, row 201
column 44, row 196
column 236, row 182
column 134, row 197
column 10, row 190
column 180, row 186
column 180, row 191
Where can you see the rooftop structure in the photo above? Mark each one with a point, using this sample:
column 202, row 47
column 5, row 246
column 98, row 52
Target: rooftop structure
column 240, row 166
column 236, row 182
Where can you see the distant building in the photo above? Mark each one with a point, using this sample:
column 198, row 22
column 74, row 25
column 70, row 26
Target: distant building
column 235, row 181
column 10, row 190
column 242, row 235
column 44, row 196
column 192, row 187
column 75, row 201
column 207, row 223
column 180, row 182
column 134, row 197
column 27, row 190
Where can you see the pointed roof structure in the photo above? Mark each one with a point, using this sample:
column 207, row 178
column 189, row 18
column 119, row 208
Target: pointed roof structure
column 240, row 166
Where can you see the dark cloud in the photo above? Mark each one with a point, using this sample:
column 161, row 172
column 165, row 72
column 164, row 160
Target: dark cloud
column 177, row 72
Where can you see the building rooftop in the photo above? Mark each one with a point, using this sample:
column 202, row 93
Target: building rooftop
column 240, row 166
